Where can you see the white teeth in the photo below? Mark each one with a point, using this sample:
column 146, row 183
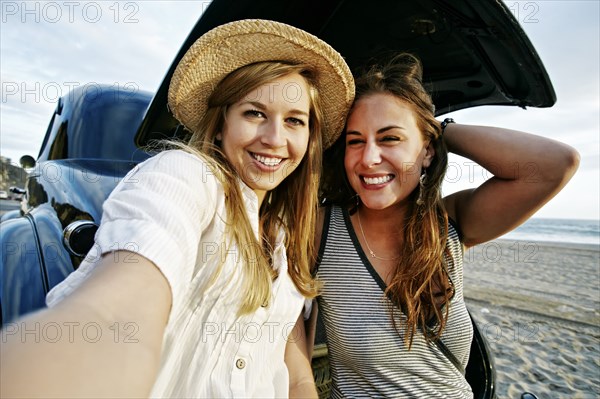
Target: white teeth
column 267, row 161
column 377, row 180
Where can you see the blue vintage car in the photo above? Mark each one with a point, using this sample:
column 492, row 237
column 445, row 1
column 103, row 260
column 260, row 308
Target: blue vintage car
column 88, row 148
column 474, row 53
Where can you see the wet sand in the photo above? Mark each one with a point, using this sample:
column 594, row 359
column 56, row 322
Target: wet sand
column 538, row 304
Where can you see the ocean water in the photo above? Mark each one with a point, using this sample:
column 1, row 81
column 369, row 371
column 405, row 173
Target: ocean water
column 576, row 231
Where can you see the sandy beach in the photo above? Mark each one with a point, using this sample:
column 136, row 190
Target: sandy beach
column 538, row 304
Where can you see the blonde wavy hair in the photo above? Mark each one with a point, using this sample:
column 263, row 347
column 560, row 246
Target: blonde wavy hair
column 291, row 206
column 420, row 285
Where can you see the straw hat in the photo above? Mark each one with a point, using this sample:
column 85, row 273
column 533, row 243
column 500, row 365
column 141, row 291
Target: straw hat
column 233, row 45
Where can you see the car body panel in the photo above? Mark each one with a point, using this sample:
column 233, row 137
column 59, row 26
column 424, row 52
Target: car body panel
column 75, row 188
column 11, row 215
column 57, row 262
column 24, row 284
column 90, row 119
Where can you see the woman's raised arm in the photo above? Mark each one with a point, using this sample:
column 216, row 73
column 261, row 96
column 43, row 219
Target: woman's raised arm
column 528, row 170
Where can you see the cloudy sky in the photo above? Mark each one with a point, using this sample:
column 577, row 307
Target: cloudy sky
column 46, row 48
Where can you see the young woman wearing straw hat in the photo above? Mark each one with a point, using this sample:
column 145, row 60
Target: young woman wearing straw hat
column 391, row 247
column 205, row 265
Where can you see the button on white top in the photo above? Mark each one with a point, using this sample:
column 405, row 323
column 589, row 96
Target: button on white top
column 240, row 363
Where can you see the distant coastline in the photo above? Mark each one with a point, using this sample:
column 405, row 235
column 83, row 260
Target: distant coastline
column 550, row 244
column 557, row 231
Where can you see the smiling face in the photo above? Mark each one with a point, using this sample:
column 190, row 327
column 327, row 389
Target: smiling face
column 385, row 151
column 265, row 134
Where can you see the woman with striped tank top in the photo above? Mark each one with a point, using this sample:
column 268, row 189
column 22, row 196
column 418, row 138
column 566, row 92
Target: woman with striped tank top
column 390, row 257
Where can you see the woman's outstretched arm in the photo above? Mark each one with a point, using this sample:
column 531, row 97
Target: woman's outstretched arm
column 104, row 340
column 528, row 170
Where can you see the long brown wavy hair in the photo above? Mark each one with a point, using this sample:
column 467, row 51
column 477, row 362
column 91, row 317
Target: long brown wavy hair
column 292, row 205
column 420, row 286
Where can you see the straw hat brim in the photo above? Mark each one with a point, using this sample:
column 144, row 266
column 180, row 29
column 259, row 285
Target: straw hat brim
column 233, row 45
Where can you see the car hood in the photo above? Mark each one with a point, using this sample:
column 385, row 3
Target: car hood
column 474, row 52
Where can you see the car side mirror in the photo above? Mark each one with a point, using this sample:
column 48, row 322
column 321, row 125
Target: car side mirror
column 27, row 162
column 17, row 190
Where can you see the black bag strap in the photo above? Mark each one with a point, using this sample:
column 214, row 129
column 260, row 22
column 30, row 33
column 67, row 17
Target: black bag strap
column 447, row 352
column 449, row 355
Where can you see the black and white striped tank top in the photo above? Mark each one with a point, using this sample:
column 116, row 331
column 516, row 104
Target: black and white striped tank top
column 368, row 357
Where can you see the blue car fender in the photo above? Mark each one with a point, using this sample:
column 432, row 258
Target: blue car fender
column 23, row 285
column 28, row 269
